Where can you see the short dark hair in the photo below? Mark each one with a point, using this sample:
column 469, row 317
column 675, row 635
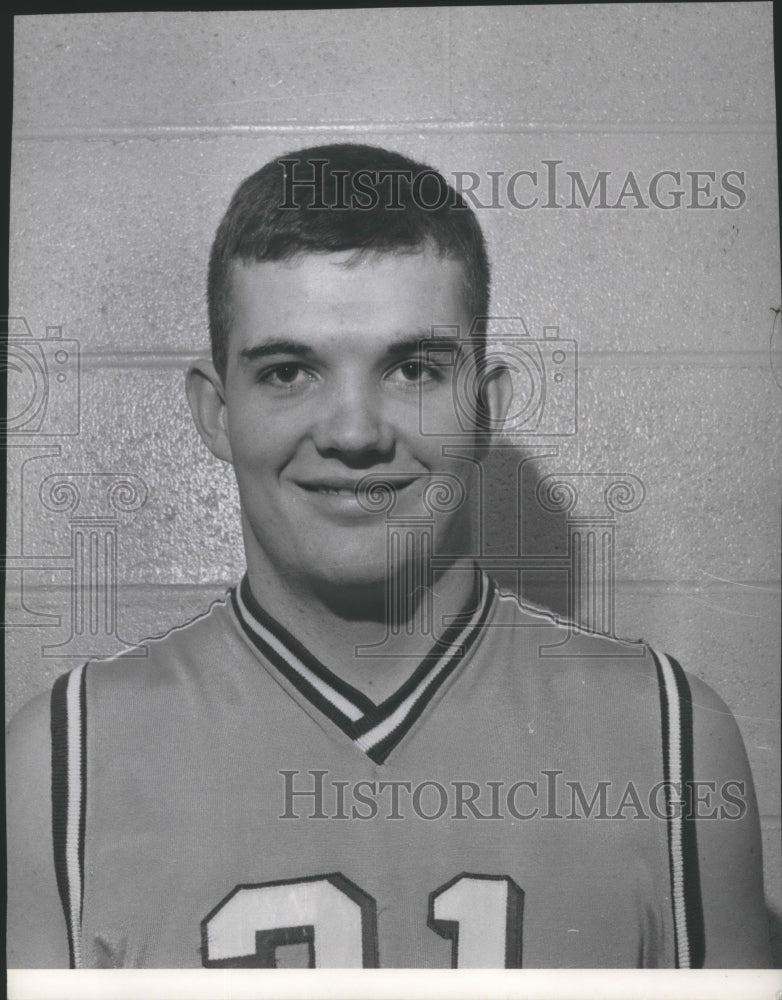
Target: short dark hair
column 345, row 196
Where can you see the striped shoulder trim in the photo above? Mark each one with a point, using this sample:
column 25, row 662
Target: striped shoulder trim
column 69, row 779
column 374, row 729
column 677, row 747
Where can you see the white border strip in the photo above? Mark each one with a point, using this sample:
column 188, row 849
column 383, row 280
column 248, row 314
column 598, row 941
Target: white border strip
column 391, row 984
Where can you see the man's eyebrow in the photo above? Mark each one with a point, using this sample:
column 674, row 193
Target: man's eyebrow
column 422, row 342
column 403, row 348
column 271, row 347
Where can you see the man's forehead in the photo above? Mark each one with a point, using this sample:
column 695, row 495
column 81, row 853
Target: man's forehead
column 315, row 296
column 366, row 260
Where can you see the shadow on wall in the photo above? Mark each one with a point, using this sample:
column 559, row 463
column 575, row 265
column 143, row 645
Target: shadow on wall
column 551, row 536
column 523, row 545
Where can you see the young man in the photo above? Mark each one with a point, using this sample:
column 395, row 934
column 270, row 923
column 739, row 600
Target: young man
column 365, row 755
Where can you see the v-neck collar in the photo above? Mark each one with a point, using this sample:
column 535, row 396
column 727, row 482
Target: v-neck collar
column 374, row 728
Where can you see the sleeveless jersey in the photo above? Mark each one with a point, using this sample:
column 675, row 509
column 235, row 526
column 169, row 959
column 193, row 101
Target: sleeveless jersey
column 520, row 801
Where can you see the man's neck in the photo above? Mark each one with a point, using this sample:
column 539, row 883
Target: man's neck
column 371, row 638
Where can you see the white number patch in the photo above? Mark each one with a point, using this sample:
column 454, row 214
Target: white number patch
column 481, row 914
column 336, row 923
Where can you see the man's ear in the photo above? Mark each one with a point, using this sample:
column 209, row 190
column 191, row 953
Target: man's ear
column 206, row 395
column 495, row 398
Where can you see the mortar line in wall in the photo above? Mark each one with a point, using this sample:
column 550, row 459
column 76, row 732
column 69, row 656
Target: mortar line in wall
column 674, row 359
column 176, row 131
column 771, row 586
column 598, row 360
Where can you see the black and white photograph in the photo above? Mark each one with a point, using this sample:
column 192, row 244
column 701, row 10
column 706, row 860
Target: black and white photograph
column 392, row 569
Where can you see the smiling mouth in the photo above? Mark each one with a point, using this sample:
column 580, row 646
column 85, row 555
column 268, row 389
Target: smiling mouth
column 356, row 490
column 330, row 489
column 334, row 491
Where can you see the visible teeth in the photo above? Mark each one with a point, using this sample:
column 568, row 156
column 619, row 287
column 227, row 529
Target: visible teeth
column 332, row 491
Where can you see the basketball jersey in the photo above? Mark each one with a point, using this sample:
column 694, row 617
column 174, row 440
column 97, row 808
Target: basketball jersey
column 226, row 800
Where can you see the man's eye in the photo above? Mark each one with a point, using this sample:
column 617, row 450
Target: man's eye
column 286, row 375
column 414, row 371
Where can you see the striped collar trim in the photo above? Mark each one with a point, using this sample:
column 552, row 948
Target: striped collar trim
column 374, row 728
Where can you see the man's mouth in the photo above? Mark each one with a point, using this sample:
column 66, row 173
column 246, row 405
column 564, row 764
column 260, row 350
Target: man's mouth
column 330, row 488
column 359, row 488
column 335, row 491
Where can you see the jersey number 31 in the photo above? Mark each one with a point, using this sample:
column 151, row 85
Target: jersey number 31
column 335, row 922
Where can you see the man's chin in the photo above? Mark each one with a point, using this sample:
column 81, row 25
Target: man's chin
column 368, row 576
column 354, row 593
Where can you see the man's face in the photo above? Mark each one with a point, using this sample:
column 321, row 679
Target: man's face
column 325, row 384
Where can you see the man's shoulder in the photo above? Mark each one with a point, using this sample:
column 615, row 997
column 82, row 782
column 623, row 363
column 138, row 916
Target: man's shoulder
column 559, row 652
column 181, row 652
column 559, row 638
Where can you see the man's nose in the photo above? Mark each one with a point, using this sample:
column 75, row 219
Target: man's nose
column 352, row 421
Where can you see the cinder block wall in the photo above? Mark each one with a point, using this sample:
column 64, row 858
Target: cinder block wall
column 131, row 132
